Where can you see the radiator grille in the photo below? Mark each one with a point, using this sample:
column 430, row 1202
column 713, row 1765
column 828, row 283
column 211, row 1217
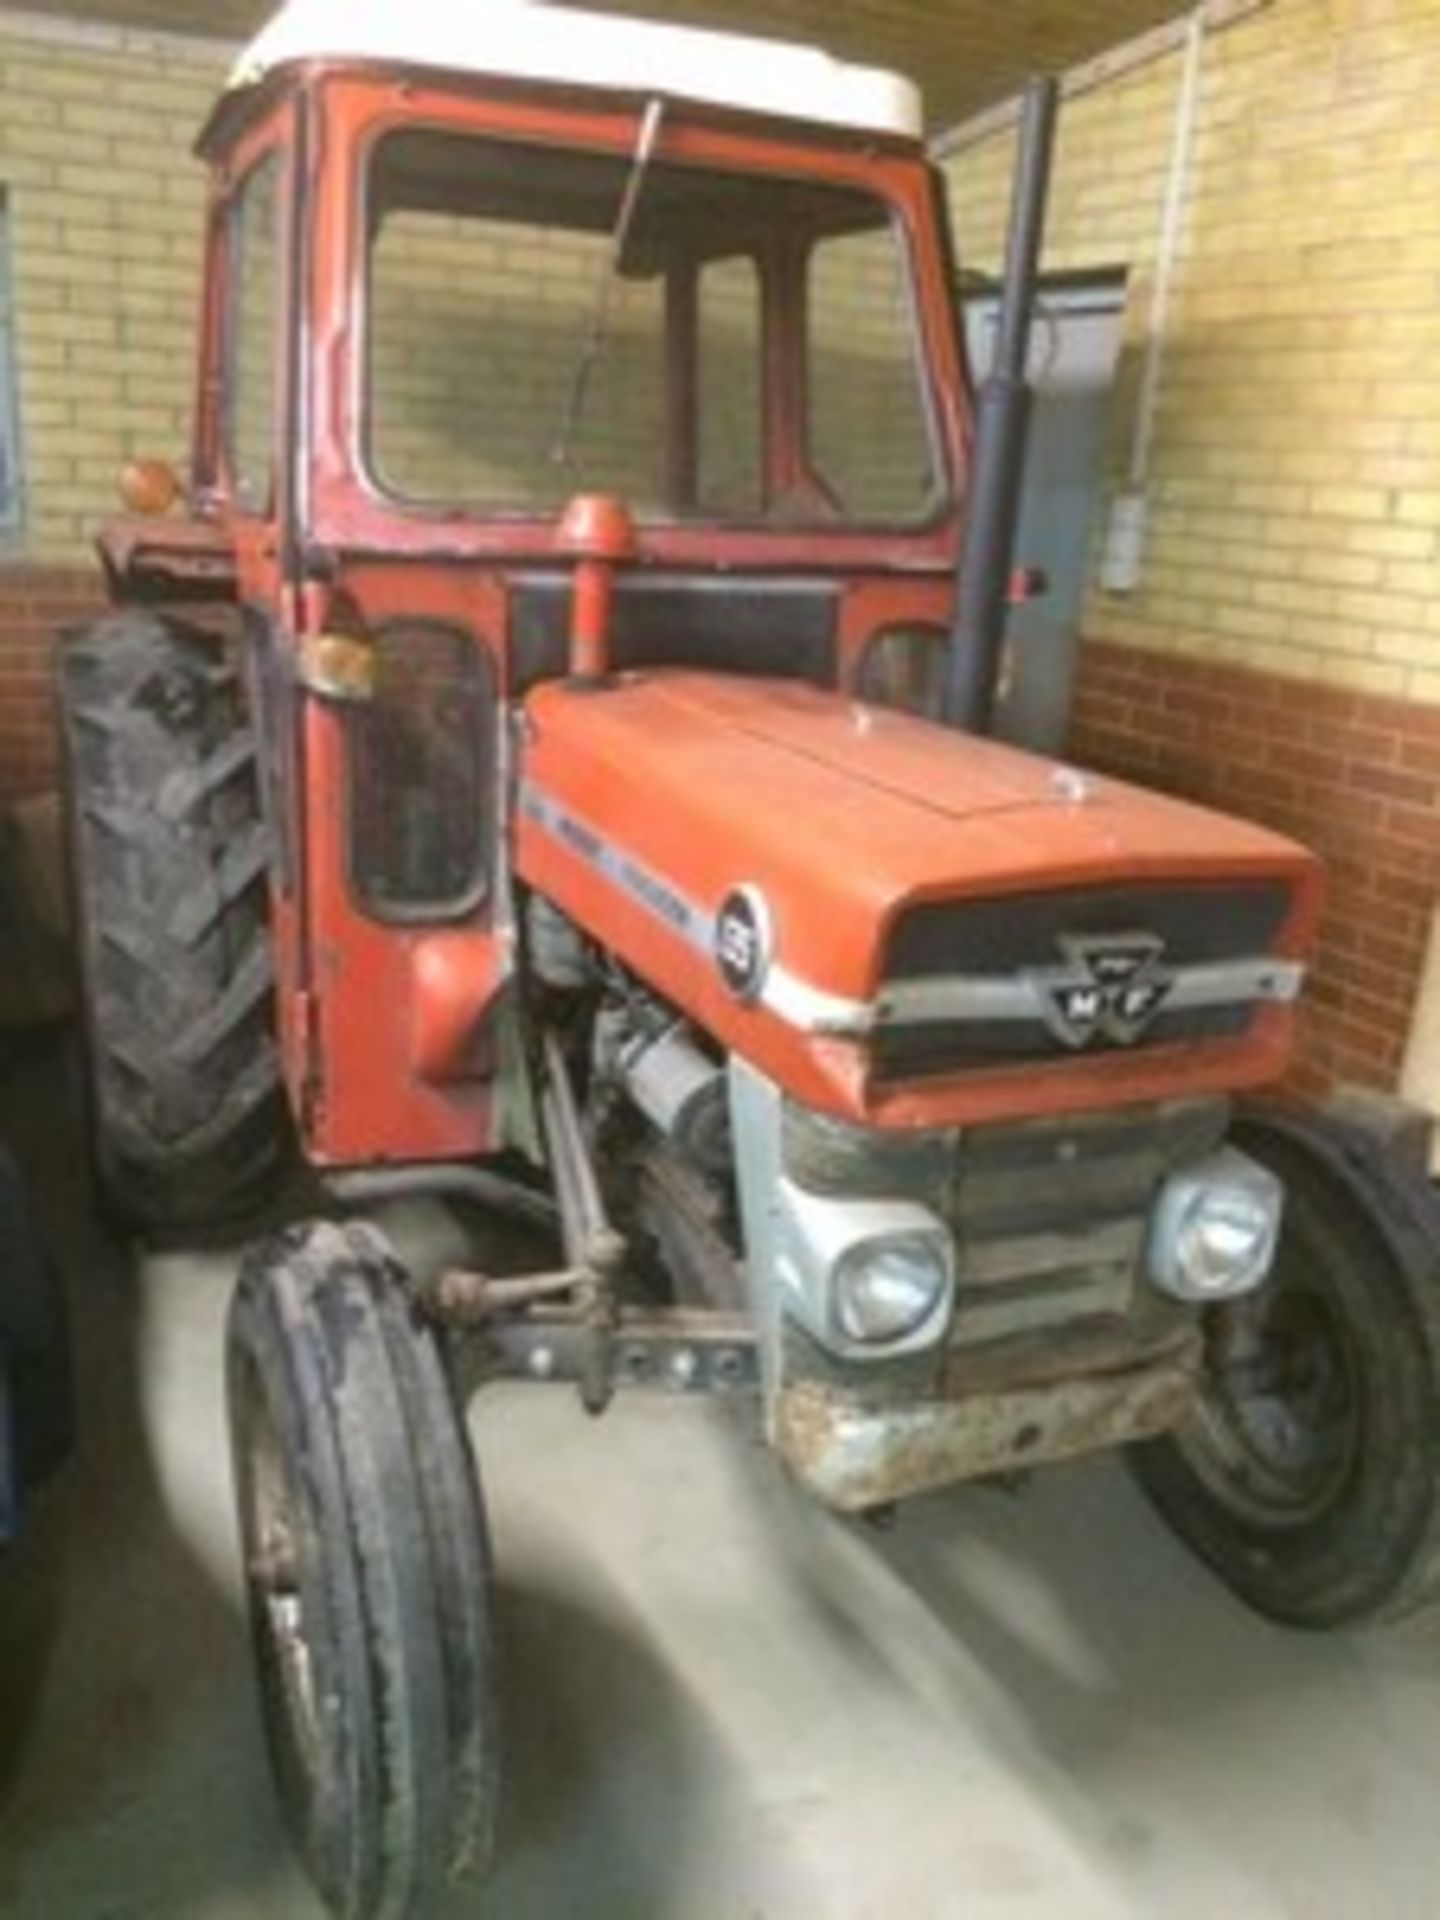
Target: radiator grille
column 1003, row 939
column 1050, row 1216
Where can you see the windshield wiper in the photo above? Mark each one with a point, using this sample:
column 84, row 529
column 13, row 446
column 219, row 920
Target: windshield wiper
column 598, row 331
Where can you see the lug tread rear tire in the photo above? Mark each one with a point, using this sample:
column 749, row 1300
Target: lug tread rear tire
column 169, row 860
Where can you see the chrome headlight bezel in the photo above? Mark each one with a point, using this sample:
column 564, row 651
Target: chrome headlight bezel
column 824, row 1243
column 1226, row 1196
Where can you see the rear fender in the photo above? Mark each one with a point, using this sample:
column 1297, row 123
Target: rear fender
column 167, row 561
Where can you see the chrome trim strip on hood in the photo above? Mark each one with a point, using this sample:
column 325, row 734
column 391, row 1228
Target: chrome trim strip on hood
column 961, row 996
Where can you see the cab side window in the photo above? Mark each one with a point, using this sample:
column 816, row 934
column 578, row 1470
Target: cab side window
column 253, row 339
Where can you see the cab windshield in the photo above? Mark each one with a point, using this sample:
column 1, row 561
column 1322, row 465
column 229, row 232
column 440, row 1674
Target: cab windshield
column 486, row 259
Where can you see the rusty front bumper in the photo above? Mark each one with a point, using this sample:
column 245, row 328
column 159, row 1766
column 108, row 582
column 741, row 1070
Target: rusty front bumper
column 853, row 1454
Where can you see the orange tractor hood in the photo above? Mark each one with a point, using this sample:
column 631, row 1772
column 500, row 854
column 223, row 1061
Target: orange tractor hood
column 651, row 805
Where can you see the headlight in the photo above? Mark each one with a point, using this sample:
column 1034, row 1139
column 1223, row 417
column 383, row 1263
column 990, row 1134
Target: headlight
column 1215, row 1229
column 869, row 1279
column 1225, row 1241
column 887, row 1290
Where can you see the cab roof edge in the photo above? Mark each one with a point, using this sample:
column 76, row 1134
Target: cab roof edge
column 532, row 40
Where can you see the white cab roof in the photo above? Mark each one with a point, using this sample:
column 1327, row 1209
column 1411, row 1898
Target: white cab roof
column 531, row 40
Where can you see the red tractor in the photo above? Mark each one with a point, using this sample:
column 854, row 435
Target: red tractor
column 546, row 766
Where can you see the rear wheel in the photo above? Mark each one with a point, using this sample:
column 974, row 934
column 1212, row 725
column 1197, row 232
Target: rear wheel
column 168, row 867
column 1308, row 1477
column 368, row 1573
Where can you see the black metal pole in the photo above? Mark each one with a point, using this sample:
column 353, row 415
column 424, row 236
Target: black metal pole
column 1002, row 422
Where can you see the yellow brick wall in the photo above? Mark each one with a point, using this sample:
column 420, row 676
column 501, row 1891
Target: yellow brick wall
column 105, row 218
column 1296, row 486
column 478, row 327
column 731, row 447
column 867, row 424
column 479, row 324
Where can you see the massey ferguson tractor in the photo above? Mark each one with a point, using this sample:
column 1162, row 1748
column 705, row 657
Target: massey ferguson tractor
column 545, row 763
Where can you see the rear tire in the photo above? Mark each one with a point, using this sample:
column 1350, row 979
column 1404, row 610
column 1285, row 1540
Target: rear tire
column 368, row 1573
column 169, row 860
column 1309, row 1477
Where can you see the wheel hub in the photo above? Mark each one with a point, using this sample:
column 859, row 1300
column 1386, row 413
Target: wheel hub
column 1277, row 1428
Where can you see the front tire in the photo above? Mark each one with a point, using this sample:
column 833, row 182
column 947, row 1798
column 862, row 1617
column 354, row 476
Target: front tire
column 368, row 1573
column 1308, row 1477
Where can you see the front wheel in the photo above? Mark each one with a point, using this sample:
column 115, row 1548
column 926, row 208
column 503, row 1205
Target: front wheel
column 1308, row 1475
column 367, row 1568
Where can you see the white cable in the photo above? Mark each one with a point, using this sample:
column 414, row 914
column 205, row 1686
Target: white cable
column 1168, row 251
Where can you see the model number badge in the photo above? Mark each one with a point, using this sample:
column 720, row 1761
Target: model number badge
column 744, row 945
column 1111, row 990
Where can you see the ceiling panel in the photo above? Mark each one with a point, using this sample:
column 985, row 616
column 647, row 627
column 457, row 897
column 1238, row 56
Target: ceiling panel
column 968, row 53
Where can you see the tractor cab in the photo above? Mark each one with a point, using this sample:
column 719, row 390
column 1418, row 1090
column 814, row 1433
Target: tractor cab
column 716, row 289
column 552, row 258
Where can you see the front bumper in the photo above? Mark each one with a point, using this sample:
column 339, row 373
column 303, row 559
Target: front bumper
column 854, row 1453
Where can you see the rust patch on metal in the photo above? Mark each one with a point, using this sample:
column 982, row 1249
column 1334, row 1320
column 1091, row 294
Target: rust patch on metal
column 852, row 1454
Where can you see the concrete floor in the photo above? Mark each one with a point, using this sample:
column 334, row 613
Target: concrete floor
column 722, row 1705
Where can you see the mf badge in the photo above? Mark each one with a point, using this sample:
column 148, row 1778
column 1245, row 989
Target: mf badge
column 1110, row 990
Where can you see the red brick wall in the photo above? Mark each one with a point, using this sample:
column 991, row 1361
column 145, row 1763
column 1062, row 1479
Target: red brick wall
column 35, row 602
column 1355, row 776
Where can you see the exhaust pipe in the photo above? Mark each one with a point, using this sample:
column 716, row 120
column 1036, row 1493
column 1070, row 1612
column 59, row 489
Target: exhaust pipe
column 1002, row 424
